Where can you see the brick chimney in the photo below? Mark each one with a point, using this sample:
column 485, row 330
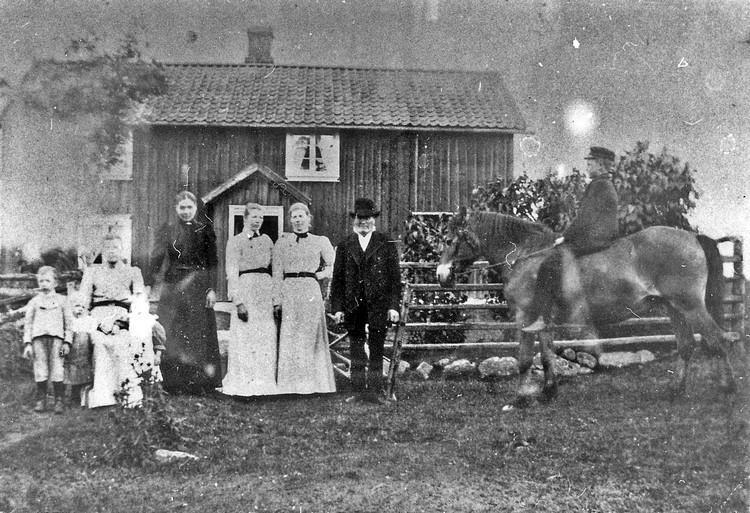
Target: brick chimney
column 259, row 41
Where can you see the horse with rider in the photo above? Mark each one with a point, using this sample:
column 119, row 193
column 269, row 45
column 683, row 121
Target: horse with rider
column 588, row 276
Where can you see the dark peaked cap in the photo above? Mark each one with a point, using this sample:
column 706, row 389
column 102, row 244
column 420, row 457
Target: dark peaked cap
column 599, row 152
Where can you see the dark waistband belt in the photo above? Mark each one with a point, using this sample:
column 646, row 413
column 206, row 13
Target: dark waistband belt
column 110, row 302
column 299, row 275
column 263, row 270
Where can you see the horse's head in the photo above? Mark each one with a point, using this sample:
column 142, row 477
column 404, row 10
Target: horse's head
column 461, row 248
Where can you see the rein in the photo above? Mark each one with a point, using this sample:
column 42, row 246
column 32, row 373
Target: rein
column 469, row 271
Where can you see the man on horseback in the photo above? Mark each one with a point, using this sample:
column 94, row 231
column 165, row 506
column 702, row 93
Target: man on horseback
column 593, row 229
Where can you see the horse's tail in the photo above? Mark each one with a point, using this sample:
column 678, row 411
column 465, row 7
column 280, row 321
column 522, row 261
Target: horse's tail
column 715, row 283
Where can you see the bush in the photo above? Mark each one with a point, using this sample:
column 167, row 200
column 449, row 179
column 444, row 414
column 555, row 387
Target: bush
column 424, row 237
column 64, row 260
column 138, row 432
column 654, row 190
column 12, row 364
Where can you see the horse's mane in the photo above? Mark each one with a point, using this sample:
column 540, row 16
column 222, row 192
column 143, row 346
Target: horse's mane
column 532, row 236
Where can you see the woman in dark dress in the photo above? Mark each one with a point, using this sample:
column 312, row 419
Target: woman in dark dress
column 191, row 362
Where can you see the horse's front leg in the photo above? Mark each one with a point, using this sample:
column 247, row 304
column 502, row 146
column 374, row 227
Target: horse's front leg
column 527, row 387
column 683, row 331
column 548, row 363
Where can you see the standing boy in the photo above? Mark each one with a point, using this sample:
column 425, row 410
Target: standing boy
column 47, row 338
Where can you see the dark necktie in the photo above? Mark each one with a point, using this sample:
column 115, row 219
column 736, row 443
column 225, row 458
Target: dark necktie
column 301, row 236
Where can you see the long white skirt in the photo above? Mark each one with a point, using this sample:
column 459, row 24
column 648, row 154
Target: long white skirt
column 304, row 359
column 251, row 354
column 119, row 362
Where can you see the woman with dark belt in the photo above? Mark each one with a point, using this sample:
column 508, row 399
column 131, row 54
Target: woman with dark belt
column 300, row 259
column 251, row 355
column 191, row 362
column 107, row 289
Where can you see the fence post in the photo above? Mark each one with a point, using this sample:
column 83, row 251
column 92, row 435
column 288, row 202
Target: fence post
column 738, row 289
column 478, row 277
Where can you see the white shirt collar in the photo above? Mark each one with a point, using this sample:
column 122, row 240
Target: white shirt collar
column 364, row 240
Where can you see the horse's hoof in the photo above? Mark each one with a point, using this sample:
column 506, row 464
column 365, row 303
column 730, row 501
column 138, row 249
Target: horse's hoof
column 528, row 389
column 549, row 392
column 522, row 401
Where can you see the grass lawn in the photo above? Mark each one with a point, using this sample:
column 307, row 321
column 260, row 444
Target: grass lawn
column 612, row 441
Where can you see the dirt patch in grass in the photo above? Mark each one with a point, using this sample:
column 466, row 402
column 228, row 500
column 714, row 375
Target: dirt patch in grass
column 613, row 441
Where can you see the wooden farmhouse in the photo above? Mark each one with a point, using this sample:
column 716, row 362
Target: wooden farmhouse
column 413, row 140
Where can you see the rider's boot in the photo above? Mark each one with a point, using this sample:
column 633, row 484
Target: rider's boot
column 535, row 327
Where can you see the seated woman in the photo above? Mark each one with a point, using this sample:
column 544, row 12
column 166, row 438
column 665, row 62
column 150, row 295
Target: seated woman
column 107, row 290
column 251, row 356
column 304, row 365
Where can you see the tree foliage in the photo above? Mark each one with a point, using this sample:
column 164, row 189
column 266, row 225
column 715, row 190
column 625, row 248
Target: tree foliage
column 108, row 85
column 423, row 236
column 652, row 189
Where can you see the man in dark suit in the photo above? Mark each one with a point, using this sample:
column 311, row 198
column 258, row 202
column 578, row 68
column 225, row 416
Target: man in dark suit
column 593, row 229
column 366, row 290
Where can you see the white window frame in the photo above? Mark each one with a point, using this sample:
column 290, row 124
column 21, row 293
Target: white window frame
column 268, row 210
column 330, row 150
column 123, row 170
column 435, row 213
column 91, row 232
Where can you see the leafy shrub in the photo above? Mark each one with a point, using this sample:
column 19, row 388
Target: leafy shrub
column 12, row 364
column 424, row 237
column 654, row 190
column 138, row 432
column 64, row 260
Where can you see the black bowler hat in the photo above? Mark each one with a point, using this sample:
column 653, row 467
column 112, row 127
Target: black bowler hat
column 598, row 152
column 364, row 207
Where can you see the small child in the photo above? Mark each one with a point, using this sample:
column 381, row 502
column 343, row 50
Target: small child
column 148, row 337
column 78, row 369
column 47, row 338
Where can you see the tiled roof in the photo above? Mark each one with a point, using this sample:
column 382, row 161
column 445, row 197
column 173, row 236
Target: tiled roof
column 301, row 96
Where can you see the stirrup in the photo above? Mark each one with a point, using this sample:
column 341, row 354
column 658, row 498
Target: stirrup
column 535, row 327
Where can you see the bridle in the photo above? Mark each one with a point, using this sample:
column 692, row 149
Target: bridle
column 461, row 234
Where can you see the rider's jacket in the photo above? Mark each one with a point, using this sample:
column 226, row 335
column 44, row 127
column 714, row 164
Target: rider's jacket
column 595, row 226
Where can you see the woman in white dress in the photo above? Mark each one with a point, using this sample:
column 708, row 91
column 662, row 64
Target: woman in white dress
column 107, row 290
column 300, row 259
column 251, row 355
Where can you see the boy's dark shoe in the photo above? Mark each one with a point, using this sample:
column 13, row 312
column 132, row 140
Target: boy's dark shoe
column 39, row 407
column 59, row 407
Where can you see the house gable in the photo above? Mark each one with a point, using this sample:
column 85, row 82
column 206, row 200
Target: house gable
column 276, row 181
